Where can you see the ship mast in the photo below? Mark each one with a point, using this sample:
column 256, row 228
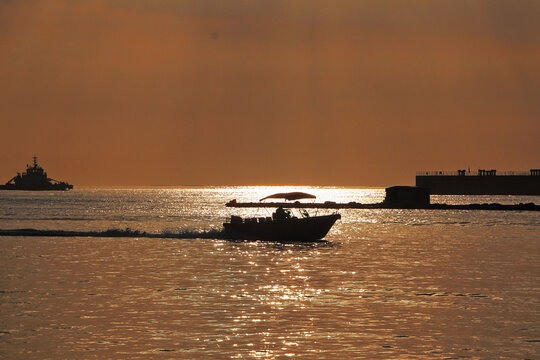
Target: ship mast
column 35, row 161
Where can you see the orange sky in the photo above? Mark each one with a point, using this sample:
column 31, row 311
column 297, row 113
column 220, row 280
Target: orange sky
column 309, row 92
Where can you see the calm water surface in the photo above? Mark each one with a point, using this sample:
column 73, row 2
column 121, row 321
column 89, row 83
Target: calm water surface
column 387, row 284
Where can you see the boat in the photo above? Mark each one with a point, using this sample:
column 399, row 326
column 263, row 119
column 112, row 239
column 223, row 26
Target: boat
column 483, row 182
column 34, row 178
column 283, row 225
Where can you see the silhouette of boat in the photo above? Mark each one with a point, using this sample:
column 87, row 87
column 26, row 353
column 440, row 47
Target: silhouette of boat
column 34, row 178
column 283, row 225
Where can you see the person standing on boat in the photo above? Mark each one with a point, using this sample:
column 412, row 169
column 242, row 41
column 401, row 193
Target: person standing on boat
column 281, row 214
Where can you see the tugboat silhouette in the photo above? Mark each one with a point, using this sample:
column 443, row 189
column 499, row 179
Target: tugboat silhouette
column 34, row 178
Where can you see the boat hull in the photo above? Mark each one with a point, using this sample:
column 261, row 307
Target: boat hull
column 295, row 229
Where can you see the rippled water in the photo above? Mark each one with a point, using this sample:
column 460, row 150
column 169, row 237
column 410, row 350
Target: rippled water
column 385, row 284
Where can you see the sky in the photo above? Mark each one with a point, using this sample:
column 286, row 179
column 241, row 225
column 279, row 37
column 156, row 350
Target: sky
column 260, row 92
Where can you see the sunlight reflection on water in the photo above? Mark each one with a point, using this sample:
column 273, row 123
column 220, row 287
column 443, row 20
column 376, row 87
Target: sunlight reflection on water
column 386, row 284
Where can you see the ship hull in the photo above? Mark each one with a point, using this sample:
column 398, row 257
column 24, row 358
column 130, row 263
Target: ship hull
column 295, row 229
column 48, row 187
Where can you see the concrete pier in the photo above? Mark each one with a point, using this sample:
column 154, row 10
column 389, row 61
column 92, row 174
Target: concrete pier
column 484, row 182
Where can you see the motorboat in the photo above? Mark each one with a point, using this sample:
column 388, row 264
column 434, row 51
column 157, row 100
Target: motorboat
column 283, row 225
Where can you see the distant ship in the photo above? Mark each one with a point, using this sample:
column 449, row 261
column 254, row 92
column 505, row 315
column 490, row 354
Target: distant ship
column 484, row 182
column 34, row 178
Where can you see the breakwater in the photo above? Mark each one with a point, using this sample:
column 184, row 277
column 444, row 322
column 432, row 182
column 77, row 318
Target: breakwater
column 383, row 205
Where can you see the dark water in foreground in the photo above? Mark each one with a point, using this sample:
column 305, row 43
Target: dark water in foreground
column 387, row 284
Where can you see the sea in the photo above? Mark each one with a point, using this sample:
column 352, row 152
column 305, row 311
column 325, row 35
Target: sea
column 145, row 273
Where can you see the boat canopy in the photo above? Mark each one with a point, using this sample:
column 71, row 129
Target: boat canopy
column 290, row 196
